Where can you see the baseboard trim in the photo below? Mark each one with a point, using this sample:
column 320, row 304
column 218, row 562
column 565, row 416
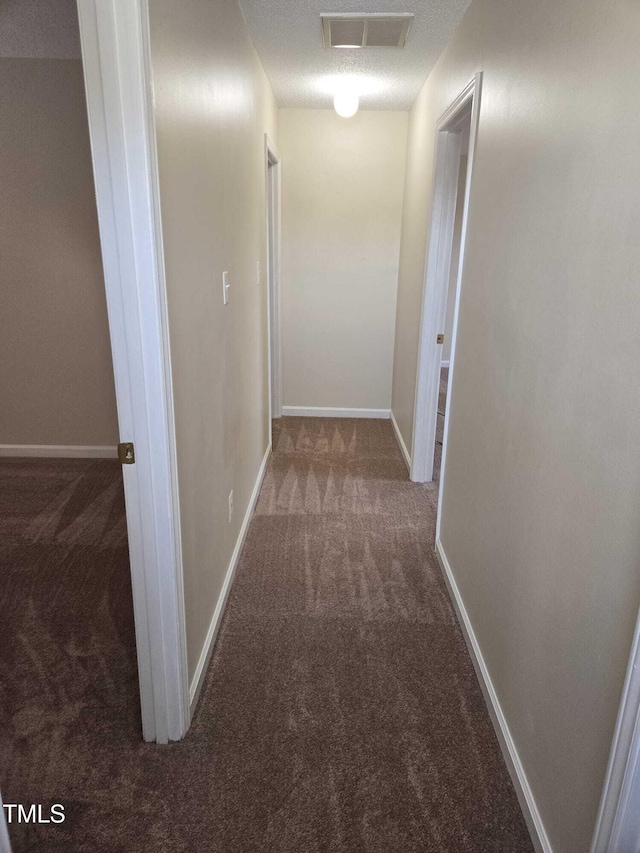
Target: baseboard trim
column 514, row 765
column 403, row 447
column 53, row 451
column 207, row 650
column 326, row 412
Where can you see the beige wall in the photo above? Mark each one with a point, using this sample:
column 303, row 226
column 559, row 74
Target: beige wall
column 342, row 185
column 56, row 376
column 542, row 487
column 213, row 106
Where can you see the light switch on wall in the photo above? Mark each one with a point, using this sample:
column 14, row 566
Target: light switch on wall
column 258, row 273
column 225, row 287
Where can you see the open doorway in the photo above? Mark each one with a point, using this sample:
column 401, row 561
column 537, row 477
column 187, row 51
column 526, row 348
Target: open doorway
column 68, row 654
column 456, row 133
column 272, row 162
column 452, row 290
column 103, row 188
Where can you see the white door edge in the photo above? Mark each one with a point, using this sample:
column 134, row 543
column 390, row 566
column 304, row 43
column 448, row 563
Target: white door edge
column 115, row 51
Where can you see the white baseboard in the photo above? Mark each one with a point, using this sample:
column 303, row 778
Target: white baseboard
column 212, row 633
column 514, row 765
column 68, row 451
column 326, row 412
column 403, row 447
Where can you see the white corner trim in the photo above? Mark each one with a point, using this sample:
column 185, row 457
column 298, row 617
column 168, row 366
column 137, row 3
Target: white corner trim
column 207, row 649
column 67, row 451
column 327, row 412
column 618, row 824
column 514, row 765
column 403, row 447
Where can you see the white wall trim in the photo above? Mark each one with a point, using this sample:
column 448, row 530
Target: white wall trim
column 403, row 447
column 67, row 451
column 115, row 51
column 507, row 744
column 437, row 275
column 207, row 650
column 328, row 412
column 444, row 362
column 618, row 825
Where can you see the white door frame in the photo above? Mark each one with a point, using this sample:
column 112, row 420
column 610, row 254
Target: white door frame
column 274, row 306
column 5, row 843
column 436, row 282
column 115, row 52
column 618, row 825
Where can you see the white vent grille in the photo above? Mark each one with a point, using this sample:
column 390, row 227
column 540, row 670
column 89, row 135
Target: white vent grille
column 376, row 30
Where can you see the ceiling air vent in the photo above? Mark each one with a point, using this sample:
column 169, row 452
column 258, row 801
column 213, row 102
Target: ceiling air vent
column 375, row 30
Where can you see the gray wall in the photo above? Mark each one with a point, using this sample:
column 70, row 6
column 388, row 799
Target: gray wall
column 56, row 376
column 541, row 495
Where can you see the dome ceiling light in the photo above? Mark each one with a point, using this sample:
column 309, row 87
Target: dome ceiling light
column 346, row 103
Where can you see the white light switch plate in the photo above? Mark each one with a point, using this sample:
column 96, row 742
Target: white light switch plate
column 225, row 287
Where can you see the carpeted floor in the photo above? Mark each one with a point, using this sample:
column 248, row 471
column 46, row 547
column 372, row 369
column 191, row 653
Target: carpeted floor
column 340, row 713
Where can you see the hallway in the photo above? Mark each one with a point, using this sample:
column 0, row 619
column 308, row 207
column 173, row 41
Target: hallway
column 343, row 604
column 340, row 712
column 378, row 738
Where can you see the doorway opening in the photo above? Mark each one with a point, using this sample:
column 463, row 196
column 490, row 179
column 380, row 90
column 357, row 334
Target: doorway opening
column 274, row 321
column 452, row 289
column 67, row 586
column 456, row 135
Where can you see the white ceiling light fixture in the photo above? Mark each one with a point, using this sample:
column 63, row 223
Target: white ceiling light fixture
column 348, row 89
column 346, row 103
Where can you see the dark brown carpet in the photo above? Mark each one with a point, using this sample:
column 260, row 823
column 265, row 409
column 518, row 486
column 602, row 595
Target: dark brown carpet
column 340, row 713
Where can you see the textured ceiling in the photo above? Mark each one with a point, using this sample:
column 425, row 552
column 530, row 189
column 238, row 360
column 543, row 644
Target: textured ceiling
column 288, row 37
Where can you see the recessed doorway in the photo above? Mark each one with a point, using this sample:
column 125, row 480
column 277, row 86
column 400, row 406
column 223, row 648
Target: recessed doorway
column 272, row 160
column 456, row 135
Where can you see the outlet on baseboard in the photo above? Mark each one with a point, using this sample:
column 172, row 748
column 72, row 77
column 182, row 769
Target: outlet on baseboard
column 230, row 505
